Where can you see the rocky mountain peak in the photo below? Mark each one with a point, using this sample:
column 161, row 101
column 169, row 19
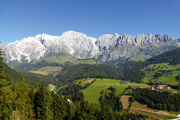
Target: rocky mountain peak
column 73, row 34
column 105, row 47
column 116, row 34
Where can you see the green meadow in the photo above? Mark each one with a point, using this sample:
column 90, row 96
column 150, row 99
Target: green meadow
column 40, row 72
column 93, row 92
column 141, row 57
column 61, row 58
column 47, row 70
column 61, row 87
column 152, row 69
column 170, row 79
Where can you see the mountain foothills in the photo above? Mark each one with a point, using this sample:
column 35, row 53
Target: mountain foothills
column 159, row 67
column 59, row 69
column 104, row 48
column 31, row 78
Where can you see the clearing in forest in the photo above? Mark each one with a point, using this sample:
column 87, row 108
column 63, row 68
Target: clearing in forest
column 125, row 101
column 142, row 106
column 93, row 92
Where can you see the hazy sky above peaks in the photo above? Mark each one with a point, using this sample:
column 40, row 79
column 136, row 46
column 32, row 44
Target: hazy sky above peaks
column 24, row 18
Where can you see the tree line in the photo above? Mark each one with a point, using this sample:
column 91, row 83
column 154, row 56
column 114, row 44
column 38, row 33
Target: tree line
column 75, row 72
column 73, row 91
column 161, row 100
column 111, row 100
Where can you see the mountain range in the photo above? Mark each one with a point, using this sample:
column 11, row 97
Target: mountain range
column 105, row 48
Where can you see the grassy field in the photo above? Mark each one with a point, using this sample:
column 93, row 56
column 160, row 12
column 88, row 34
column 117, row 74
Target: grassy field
column 162, row 68
column 60, row 88
column 47, row 70
column 170, row 79
column 146, row 79
column 57, row 58
column 61, row 58
column 141, row 57
column 40, row 72
column 92, row 93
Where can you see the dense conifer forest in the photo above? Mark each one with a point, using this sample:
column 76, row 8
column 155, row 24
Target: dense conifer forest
column 31, row 78
column 111, row 100
column 161, row 100
column 122, row 63
column 71, row 73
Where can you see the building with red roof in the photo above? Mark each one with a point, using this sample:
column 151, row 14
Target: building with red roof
column 160, row 87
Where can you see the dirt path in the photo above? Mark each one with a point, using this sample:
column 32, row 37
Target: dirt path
column 159, row 112
column 125, row 101
column 144, row 107
column 135, row 111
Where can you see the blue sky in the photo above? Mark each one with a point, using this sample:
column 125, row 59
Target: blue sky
column 24, row 18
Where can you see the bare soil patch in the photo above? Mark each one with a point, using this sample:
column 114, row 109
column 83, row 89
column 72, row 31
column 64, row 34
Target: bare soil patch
column 88, row 81
column 142, row 106
column 125, row 101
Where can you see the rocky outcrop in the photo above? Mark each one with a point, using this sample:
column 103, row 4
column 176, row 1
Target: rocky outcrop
column 106, row 47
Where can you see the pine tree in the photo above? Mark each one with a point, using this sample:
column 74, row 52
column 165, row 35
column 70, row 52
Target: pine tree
column 49, row 101
column 67, row 107
column 23, row 104
column 31, row 95
column 40, row 103
column 6, row 93
column 77, row 113
column 56, row 107
column 6, row 98
column 1, row 60
column 71, row 110
column 102, row 113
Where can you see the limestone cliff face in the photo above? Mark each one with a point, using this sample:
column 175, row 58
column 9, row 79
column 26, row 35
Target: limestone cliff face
column 128, row 46
column 106, row 47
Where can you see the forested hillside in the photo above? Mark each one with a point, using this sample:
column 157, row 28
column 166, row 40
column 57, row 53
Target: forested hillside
column 122, row 63
column 61, row 68
column 161, row 100
column 71, row 73
column 31, row 78
column 15, row 76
